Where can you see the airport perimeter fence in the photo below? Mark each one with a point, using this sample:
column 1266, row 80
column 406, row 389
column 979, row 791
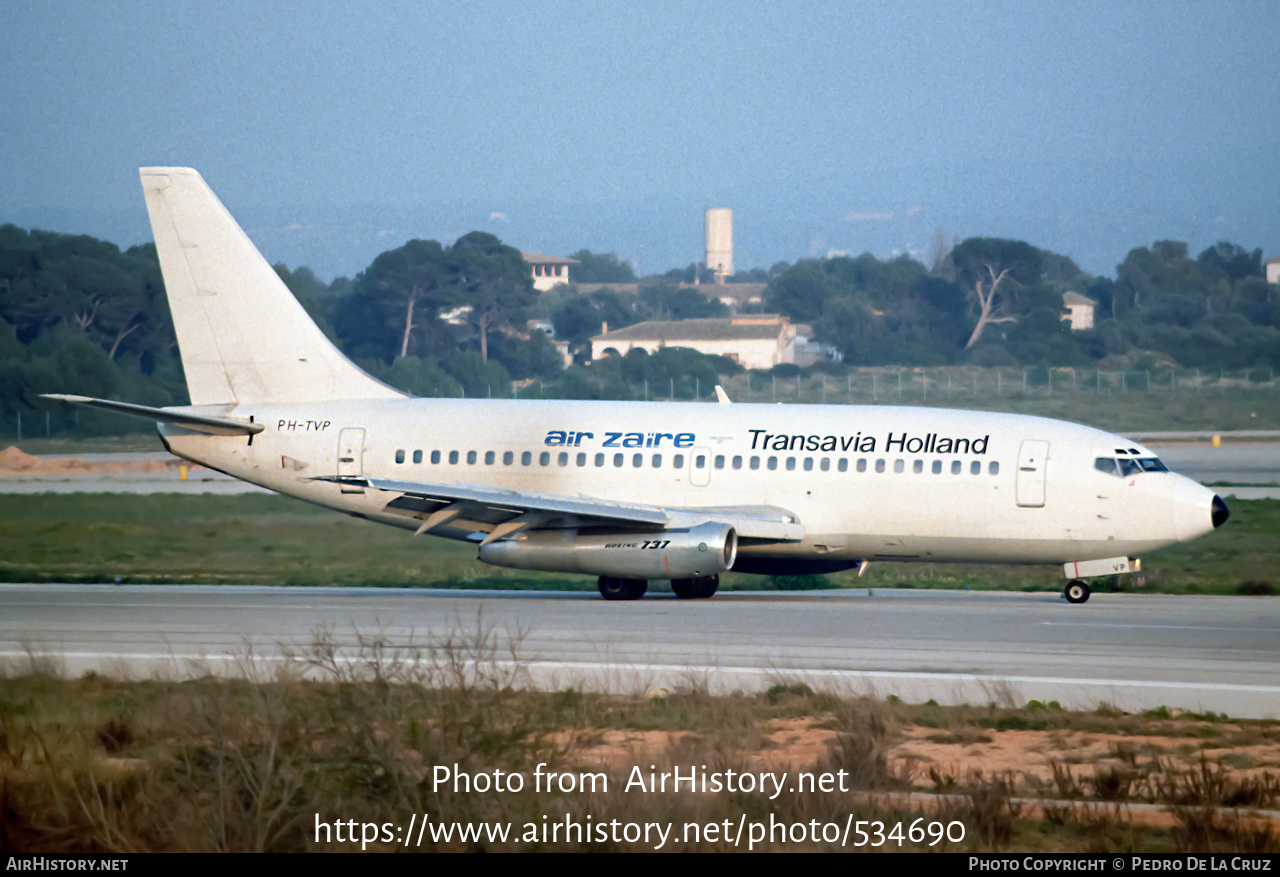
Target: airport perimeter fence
column 949, row 387
column 955, row 385
column 885, row 385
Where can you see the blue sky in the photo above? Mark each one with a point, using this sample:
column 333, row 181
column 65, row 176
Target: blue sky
column 334, row 131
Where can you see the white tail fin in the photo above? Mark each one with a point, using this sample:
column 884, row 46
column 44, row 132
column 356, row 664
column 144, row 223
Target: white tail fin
column 242, row 334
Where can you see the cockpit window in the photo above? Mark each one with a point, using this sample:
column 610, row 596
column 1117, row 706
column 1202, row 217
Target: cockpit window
column 1125, row 466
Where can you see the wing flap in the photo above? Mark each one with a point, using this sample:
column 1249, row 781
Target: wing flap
column 485, row 509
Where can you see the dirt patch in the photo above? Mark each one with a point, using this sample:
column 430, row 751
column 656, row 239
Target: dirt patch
column 15, row 462
column 926, row 756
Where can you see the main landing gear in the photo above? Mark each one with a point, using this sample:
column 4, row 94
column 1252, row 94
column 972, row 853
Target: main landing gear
column 612, row 588
column 1076, row 591
column 695, row 589
column 699, row 588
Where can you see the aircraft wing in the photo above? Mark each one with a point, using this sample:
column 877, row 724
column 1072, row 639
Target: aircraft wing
column 489, row 513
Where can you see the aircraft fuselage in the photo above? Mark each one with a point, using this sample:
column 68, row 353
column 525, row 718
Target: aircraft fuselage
column 866, row 483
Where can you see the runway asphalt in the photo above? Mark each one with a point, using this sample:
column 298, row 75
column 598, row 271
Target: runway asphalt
column 1135, row 651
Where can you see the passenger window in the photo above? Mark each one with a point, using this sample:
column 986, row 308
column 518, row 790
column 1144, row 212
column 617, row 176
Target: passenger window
column 657, row 461
column 617, row 461
column 435, row 458
column 563, row 458
column 582, row 460
column 526, row 459
column 489, row 458
column 844, row 464
column 544, row 459
column 808, row 464
column 453, row 458
column 638, row 460
column 956, row 466
column 417, row 456
column 993, row 468
column 899, row 466
column 975, row 468
column 599, row 460
column 826, row 464
column 737, row 462
column 862, row 464
column 937, row 467
column 471, row 458
column 508, row 458
column 772, row 463
column 400, row 456
column 755, row 462
column 677, row 462
column 917, row 467
column 880, row 465
column 791, row 464
column 719, row 461
column 700, row 461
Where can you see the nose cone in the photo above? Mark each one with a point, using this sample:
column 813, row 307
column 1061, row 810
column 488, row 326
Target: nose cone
column 1193, row 509
column 1219, row 512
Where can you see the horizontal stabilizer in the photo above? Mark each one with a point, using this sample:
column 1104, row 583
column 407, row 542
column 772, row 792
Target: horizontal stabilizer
column 196, row 422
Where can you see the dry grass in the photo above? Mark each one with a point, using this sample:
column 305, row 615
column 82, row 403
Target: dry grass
column 358, row 732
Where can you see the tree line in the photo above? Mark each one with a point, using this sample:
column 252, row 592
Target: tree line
column 79, row 315
column 996, row 302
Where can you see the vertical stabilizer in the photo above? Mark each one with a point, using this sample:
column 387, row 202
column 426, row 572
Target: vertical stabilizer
column 242, row 334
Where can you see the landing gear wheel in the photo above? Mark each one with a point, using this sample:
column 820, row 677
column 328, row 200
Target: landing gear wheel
column 1076, row 591
column 695, row 589
column 622, row 589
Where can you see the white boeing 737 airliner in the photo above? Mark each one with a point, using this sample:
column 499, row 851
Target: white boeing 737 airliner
column 631, row 491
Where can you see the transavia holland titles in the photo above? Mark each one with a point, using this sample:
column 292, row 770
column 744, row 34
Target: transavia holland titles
column 763, row 440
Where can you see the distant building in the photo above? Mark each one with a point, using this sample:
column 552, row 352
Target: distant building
column 736, row 296
column 1273, row 270
column 546, row 328
column 1078, row 310
column 548, row 271
column 755, row 341
column 719, row 225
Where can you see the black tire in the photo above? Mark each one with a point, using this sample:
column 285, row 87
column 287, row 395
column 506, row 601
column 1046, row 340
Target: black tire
column 612, row 588
column 695, row 589
column 1076, row 591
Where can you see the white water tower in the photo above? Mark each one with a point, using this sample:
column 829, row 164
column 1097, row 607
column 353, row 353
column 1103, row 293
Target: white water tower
column 720, row 242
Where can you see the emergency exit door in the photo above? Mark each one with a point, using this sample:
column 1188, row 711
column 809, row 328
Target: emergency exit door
column 1032, row 459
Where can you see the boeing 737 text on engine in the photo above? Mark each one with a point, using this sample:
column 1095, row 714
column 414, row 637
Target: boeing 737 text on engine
column 628, row 491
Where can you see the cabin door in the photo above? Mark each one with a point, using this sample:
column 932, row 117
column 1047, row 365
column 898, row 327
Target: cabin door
column 1032, row 459
column 351, row 457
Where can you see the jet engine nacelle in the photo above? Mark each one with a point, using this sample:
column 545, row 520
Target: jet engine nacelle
column 706, row 549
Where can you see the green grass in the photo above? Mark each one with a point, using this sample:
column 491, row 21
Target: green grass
column 273, row 540
column 1217, row 408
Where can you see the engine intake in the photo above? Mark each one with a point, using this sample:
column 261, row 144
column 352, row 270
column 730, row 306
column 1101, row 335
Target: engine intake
column 706, row 549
